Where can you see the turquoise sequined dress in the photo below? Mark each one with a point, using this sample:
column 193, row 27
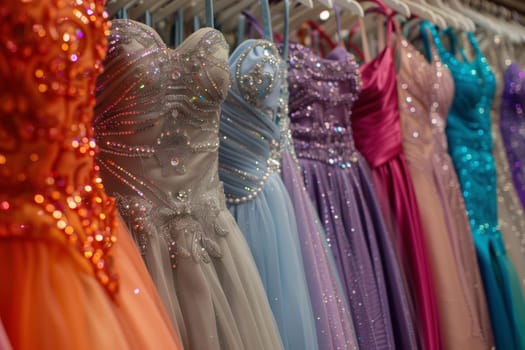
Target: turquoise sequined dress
column 470, row 146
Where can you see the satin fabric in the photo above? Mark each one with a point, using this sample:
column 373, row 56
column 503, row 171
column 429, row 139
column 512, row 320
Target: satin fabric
column 377, row 133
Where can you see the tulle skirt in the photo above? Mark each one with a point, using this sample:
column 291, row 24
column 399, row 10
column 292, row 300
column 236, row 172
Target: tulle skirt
column 268, row 222
column 335, row 329
column 50, row 299
column 216, row 304
column 346, row 202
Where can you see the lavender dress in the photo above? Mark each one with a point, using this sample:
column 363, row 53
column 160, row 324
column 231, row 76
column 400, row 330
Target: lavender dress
column 339, row 183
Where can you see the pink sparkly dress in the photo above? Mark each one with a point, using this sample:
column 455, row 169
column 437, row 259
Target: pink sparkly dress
column 157, row 124
column 425, row 94
column 72, row 277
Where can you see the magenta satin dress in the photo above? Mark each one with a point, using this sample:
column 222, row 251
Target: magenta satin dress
column 377, row 134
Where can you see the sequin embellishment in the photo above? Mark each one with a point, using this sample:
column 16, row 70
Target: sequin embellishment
column 49, row 186
column 151, row 132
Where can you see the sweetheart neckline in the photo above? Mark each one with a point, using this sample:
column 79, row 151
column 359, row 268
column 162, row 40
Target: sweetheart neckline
column 155, row 33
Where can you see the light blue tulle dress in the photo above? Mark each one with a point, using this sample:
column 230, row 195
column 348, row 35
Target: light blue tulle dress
column 249, row 162
column 470, row 146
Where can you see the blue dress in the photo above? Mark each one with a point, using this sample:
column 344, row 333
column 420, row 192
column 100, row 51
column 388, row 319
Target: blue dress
column 470, row 146
column 249, row 162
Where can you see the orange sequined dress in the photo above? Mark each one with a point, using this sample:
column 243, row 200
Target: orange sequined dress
column 71, row 276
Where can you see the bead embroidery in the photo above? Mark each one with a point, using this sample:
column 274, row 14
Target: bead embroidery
column 166, row 115
column 50, row 187
column 184, row 225
column 318, row 134
column 250, row 109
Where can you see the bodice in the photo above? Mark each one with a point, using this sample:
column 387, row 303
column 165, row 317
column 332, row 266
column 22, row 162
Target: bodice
column 249, row 132
column 425, row 94
column 322, row 92
column 375, row 115
column 157, row 111
column 469, row 134
column 49, row 186
column 469, row 116
column 157, row 126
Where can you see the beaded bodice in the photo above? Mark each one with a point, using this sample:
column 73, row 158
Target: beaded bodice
column 469, row 119
column 425, row 93
column 249, row 132
column 469, row 133
column 157, row 118
column 322, row 92
column 50, row 55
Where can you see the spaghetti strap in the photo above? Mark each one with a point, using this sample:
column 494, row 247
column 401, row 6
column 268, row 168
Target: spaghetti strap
column 382, row 10
column 474, row 43
column 429, row 44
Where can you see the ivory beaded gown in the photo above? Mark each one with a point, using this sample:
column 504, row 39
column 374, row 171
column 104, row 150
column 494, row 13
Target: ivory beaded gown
column 73, row 277
column 157, row 123
column 425, row 93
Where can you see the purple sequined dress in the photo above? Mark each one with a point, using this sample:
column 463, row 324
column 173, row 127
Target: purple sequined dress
column 513, row 125
column 339, row 182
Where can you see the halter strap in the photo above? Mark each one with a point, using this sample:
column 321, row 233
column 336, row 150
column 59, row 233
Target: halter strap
column 209, row 14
